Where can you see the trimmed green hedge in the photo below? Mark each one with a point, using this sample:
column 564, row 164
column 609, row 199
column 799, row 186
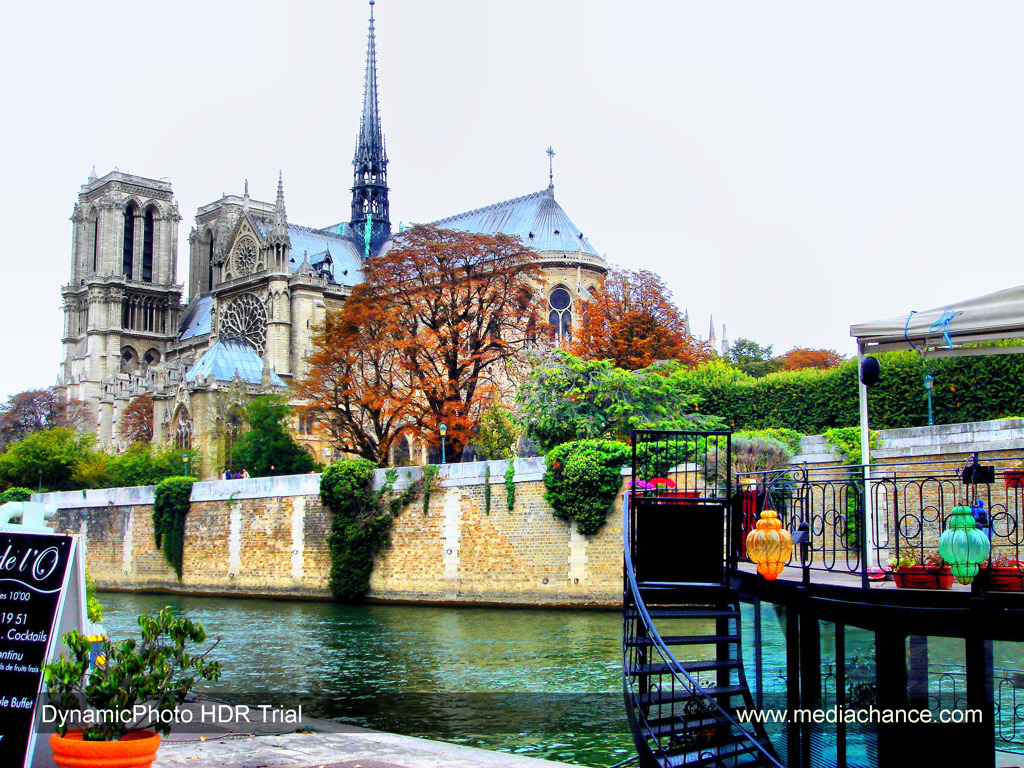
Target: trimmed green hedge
column 812, row 401
column 170, row 507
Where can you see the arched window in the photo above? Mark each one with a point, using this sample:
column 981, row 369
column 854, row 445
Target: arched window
column 129, row 360
column 96, row 244
column 147, row 246
column 560, row 314
column 128, row 250
column 403, row 452
column 208, row 245
column 183, row 430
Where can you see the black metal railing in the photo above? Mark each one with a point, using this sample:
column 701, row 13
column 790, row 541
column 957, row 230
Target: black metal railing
column 682, row 465
column 908, row 508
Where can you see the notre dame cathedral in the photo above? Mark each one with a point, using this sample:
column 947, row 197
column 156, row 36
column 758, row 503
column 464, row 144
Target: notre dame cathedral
column 258, row 285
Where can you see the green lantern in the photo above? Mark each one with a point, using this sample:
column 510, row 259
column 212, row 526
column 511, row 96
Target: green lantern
column 963, row 546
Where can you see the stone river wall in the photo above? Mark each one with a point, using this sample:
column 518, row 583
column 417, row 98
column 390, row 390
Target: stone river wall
column 268, row 537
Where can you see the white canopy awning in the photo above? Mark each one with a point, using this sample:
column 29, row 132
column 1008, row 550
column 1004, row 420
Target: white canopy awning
column 942, row 332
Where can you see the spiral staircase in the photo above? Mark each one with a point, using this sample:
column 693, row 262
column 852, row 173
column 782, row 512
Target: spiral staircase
column 683, row 679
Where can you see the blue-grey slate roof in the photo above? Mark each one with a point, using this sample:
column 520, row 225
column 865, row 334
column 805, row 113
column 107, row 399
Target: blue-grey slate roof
column 197, row 321
column 227, row 357
column 537, row 218
column 316, row 243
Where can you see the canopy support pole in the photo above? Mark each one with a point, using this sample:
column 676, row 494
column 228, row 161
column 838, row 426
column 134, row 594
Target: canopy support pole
column 870, row 557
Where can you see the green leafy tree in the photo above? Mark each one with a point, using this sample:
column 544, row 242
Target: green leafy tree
column 567, row 399
column 751, row 358
column 268, row 444
column 497, row 433
column 49, row 458
column 146, row 464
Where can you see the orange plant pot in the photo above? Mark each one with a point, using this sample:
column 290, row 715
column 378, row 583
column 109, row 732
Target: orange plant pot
column 920, row 577
column 136, row 750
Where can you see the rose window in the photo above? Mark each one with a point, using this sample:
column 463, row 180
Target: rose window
column 245, row 257
column 245, row 320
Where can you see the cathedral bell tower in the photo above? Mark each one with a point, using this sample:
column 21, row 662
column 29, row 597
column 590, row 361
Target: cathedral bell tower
column 122, row 303
column 370, row 164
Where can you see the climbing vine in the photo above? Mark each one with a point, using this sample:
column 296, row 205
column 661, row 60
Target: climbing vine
column 583, row 479
column 360, row 522
column 170, row 507
column 510, row 486
column 487, row 488
column 429, row 485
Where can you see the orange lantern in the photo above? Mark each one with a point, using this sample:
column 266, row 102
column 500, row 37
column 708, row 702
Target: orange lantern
column 769, row 545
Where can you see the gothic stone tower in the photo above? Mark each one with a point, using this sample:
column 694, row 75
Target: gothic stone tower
column 122, row 304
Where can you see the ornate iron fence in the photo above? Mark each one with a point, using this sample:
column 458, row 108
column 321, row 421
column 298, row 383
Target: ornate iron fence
column 908, row 506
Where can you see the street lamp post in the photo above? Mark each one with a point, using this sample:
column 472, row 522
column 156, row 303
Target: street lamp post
column 929, row 382
column 444, row 431
column 184, row 461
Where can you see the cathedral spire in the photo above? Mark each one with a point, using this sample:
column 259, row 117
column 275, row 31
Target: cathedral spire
column 370, row 184
column 280, row 230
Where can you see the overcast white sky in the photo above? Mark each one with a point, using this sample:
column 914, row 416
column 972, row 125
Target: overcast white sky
column 790, row 167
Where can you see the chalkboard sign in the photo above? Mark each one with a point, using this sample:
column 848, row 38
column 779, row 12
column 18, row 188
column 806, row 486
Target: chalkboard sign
column 33, row 568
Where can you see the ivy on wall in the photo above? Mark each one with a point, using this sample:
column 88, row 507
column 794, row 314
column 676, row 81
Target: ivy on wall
column 583, row 479
column 360, row 522
column 510, row 485
column 170, row 507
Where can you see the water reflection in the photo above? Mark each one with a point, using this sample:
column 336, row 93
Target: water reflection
column 543, row 683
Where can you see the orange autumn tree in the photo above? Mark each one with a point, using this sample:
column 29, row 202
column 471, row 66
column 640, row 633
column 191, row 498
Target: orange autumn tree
column 432, row 334
column 137, row 420
column 632, row 321
column 801, row 357
column 356, row 390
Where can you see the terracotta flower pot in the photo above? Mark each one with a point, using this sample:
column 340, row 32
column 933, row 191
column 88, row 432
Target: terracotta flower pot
column 136, row 750
column 1002, row 578
column 921, row 577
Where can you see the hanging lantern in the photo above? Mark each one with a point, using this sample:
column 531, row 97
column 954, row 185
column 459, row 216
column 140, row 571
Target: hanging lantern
column 770, row 545
column 963, row 545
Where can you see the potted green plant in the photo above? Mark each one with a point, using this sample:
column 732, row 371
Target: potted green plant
column 126, row 698
column 1002, row 574
column 909, row 572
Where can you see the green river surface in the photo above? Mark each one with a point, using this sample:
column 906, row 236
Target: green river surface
column 543, row 683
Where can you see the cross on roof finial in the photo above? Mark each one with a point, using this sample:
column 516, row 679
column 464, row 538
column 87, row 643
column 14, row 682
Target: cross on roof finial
column 551, row 167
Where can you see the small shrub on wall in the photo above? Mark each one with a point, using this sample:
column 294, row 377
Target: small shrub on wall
column 15, row 494
column 170, row 507
column 582, row 480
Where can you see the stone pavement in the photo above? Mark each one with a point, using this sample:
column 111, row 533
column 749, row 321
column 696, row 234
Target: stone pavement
column 251, row 743
column 357, row 749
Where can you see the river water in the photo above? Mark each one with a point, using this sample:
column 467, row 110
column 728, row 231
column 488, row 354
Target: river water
column 543, row 683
